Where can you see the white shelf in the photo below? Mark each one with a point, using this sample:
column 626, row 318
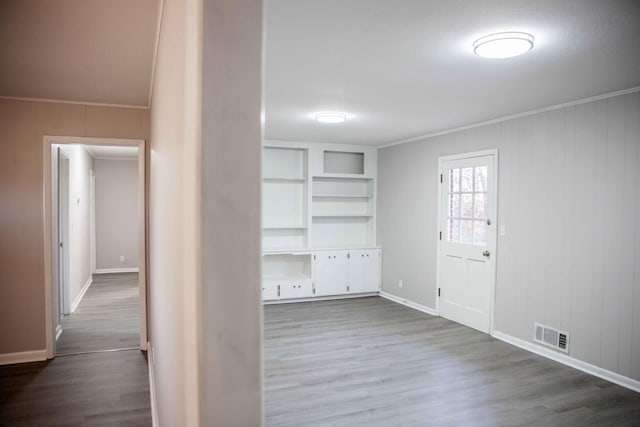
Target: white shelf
column 342, row 176
column 284, row 227
column 343, row 196
column 344, row 216
column 279, row 179
column 286, row 251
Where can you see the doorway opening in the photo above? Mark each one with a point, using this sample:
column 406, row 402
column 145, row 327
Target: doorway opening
column 467, row 209
column 95, row 245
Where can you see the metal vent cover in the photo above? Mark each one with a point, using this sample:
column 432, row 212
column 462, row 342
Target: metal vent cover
column 551, row 337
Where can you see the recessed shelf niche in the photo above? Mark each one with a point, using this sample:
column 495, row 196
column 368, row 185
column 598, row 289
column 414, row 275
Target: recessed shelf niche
column 343, row 162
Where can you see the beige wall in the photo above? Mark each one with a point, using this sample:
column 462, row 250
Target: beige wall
column 22, row 127
column 204, row 214
column 116, row 213
column 173, row 223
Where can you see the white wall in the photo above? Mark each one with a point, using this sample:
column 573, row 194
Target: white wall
column 80, row 165
column 569, row 188
column 231, row 180
column 205, row 160
column 116, row 213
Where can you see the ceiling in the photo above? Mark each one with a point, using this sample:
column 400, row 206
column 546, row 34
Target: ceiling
column 406, row 68
column 399, row 69
column 78, row 50
column 112, row 152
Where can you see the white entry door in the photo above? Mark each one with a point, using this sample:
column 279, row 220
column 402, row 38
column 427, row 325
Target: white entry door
column 467, row 238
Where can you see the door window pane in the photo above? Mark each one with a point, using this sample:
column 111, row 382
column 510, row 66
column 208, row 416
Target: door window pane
column 454, row 180
column 481, row 178
column 466, row 181
column 466, row 205
column 479, row 207
column 454, row 205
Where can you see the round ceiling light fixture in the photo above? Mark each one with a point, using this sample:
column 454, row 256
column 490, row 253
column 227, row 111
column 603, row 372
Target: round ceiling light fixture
column 330, row 117
column 503, row 45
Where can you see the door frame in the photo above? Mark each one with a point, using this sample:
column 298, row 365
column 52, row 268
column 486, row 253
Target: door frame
column 50, row 255
column 494, row 206
column 63, row 272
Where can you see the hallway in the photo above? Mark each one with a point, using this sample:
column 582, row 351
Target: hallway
column 86, row 384
column 106, row 319
column 105, row 389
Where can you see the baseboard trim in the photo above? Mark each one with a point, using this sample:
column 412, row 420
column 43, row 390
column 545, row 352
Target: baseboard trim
column 594, row 370
column 78, row 298
column 152, row 386
column 58, row 331
column 117, row 270
column 324, row 298
column 411, row 304
column 23, row 357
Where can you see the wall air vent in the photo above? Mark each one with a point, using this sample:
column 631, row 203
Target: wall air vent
column 551, row 337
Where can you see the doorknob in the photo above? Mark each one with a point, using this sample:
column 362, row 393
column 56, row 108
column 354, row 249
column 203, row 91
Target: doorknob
column 486, row 253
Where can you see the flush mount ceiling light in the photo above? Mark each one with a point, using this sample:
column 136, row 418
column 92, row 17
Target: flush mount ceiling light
column 503, row 45
column 330, row 117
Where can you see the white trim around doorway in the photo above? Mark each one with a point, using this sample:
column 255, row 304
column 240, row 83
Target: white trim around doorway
column 48, row 141
column 494, row 203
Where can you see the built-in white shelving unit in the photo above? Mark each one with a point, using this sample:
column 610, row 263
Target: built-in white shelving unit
column 318, row 218
column 284, row 198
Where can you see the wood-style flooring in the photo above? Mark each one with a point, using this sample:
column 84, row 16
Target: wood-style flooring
column 107, row 318
column 97, row 389
column 372, row 362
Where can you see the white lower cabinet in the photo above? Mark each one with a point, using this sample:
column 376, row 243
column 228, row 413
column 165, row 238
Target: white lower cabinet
column 364, row 271
column 331, row 272
column 287, row 289
column 320, row 273
column 269, row 291
column 350, row 271
column 296, row 289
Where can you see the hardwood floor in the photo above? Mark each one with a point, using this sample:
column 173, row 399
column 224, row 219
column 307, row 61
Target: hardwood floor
column 372, row 362
column 98, row 389
column 106, row 319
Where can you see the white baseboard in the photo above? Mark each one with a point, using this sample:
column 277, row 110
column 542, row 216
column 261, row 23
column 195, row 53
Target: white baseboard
column 58, row 331
column 116, row 270
column 23, row 357
column 152, row 386
column 594, row 370
column 414, row 305
column 78, row 298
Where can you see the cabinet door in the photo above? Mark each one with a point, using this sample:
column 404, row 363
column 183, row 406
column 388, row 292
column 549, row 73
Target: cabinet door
column 371, row 270
column 296, row 289
column 305, row 289
column 364, row 271
column 332, row 272
column 269, row 291
column 288, row 290
column 357, row 263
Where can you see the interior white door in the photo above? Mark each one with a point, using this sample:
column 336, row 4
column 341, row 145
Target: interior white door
column 64, row 241
column 467, row 240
